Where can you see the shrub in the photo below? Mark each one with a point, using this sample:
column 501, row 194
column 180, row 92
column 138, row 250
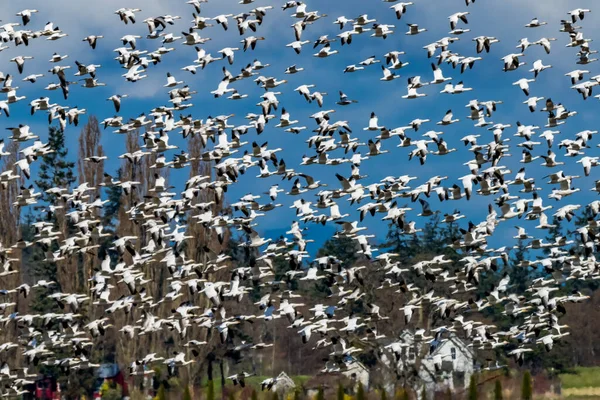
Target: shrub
column 340, row 391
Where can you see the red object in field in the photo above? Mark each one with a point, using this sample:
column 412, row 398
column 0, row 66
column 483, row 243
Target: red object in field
column 47, row 389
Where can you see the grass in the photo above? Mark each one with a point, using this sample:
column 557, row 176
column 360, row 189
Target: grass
column 581, row 378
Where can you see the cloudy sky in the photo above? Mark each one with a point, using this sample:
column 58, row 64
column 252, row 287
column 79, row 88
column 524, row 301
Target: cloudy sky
column 504, row 20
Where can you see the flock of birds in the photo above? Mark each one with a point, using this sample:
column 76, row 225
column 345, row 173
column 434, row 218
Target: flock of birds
column 448, row 288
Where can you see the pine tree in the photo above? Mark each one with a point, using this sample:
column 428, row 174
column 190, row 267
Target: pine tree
column 527, row 387
column 55, row 170
column 424, row 393
column 498, row 390
column 320, row 394
column 254, row 395
column 161, row 395
column 111, row 209
column 360, row 392
column 340, row 391
column 473, row 395
column 383, row 394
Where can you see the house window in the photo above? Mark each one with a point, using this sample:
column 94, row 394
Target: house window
column 453, row 352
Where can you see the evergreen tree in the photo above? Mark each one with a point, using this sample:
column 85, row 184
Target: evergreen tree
column 360, row 392
column 320, row 394
column 498, row 390
column 111, row 209
column 383, row 394
column 473, row 395
column 424, row 393
column 55, row 170
column 254, row 395
column 340, row 391
column 527, row 387
column 161, row 395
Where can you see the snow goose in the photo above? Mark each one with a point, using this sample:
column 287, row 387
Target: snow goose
column 26, row 15
column 523, row 83
column 413, row 29
column 344, row 100
column 538, row 66
column 297, row 45
column 484, row 43
column 353, row 68
column 325, row 51
column 578, row 13
column 447, row 119
column 341, row 21
column 222, row 20
column 400, row 8
column 20, row 61
column 454, row 18
column 388, row 75
column 576, row 75
column 535, row 23
column 545, row 43
column 532, row 102
column 382, row 30
column 438, row 76
column 92, row 40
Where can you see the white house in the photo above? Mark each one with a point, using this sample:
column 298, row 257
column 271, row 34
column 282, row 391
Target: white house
column 452, row 354
column 357, row 372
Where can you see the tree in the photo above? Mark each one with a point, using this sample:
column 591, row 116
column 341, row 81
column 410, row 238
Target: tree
column 383, row 394
column 473, row 395
column 340, row 391
column 210, row 390
column 498, row 390
column 254, row 395
column 360, row 392
column 424, row 393
column 55, row 170
column 320, row 394
column 161, row 395
column 187, row 395
column 527, row 387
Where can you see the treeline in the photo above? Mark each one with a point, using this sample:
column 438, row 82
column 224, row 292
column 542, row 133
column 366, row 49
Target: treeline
column 112, row 206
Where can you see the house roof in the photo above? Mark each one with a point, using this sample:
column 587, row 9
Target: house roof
column 453, row 339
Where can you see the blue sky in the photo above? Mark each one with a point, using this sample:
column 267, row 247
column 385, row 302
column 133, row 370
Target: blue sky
column 503, row 20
